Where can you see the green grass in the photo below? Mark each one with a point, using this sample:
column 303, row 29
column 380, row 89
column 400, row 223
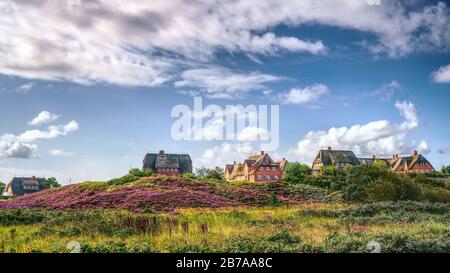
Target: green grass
column 318, row 227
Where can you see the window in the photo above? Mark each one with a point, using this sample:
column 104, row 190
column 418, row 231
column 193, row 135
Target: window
column 275, row 177
column 259, row 177
column 267, row 177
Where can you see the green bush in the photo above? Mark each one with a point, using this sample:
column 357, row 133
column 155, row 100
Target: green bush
column 295, row 172
column 380, row 190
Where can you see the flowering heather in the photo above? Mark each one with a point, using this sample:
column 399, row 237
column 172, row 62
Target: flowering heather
column 156, row 193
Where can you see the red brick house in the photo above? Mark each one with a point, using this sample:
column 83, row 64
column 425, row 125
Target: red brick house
column 255, row 168
column 416, row 163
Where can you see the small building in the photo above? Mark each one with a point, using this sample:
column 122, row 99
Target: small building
column 337, row 158
column 255, row 168
column 167, row 164
column 24, row 185
column 416, row 163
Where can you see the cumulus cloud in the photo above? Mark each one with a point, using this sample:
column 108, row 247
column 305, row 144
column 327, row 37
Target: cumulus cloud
column 17, row 150
column 225, row 153
column 22, row 146
column 43, row 118
column 381, row 138
column 53, row 131
column 220, row 82
column 442, row 75
column 147, row 43
column 305, row 95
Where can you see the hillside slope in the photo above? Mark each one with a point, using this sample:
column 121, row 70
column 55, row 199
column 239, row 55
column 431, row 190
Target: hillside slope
column 160, row 193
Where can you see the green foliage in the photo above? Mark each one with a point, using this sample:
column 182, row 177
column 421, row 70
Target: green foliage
column 189, row 176
column 2, row 187
column 213, row 174
column 140, row 173
column 446, row 169
column 51, row 183
column 295, row 172
column 133, row 175
column 273, row 201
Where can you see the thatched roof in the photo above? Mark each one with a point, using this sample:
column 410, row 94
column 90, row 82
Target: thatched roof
column 182, row 162
column 24, row 185
column 330, row 157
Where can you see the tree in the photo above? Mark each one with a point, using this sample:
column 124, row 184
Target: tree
column 295, row 172
column 201, row 172
column 446, row 169
column 51, row 183
column 2, row 187
column 216, row 173
column 140, row 173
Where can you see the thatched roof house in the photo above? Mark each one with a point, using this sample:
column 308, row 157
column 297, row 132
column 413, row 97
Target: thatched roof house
column 336, row 158
column 25, row 185
column 168, row 164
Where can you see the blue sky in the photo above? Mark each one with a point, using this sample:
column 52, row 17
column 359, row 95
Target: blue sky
column 105, row 77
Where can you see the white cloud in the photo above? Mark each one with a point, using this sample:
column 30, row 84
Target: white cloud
column 252, row 133
column 225, row 153
column 17, row 150
column 442, row 75
column 52, row 132
column 24, row 88
column 22, row 146
column 387, row 91
column 220, row 82
column 305, row 95
column 58, row 152
column 43, row 118
column 374, row 138
column 147, row 43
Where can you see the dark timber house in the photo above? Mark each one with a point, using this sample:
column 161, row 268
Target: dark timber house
column 24, row 185
column 336, row 158
column 167, row 164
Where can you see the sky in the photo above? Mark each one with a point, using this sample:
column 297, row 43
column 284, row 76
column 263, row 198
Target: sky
column 88, row 87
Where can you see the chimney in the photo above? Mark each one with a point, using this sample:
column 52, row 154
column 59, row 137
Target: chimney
column 234, row 162
column 262, row 152
column 415, row 153
column 329, row 148
column 374, row 157
column 161, row 152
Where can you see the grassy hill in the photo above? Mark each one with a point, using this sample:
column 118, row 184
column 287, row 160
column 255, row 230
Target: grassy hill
column 166, row 214
column 160, row 193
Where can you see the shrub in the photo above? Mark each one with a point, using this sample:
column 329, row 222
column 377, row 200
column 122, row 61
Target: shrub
column 380, row 190
column 295, row 172
column 434, row 194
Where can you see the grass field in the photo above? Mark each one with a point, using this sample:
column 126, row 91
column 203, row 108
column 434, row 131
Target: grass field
column 318, row 227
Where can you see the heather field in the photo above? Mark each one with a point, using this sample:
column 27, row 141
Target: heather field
column 162, row 214
column 313, row 227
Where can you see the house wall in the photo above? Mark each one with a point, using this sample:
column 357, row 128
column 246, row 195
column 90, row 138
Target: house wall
column 264, row 171
column 421, row 168
column 168, row 171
